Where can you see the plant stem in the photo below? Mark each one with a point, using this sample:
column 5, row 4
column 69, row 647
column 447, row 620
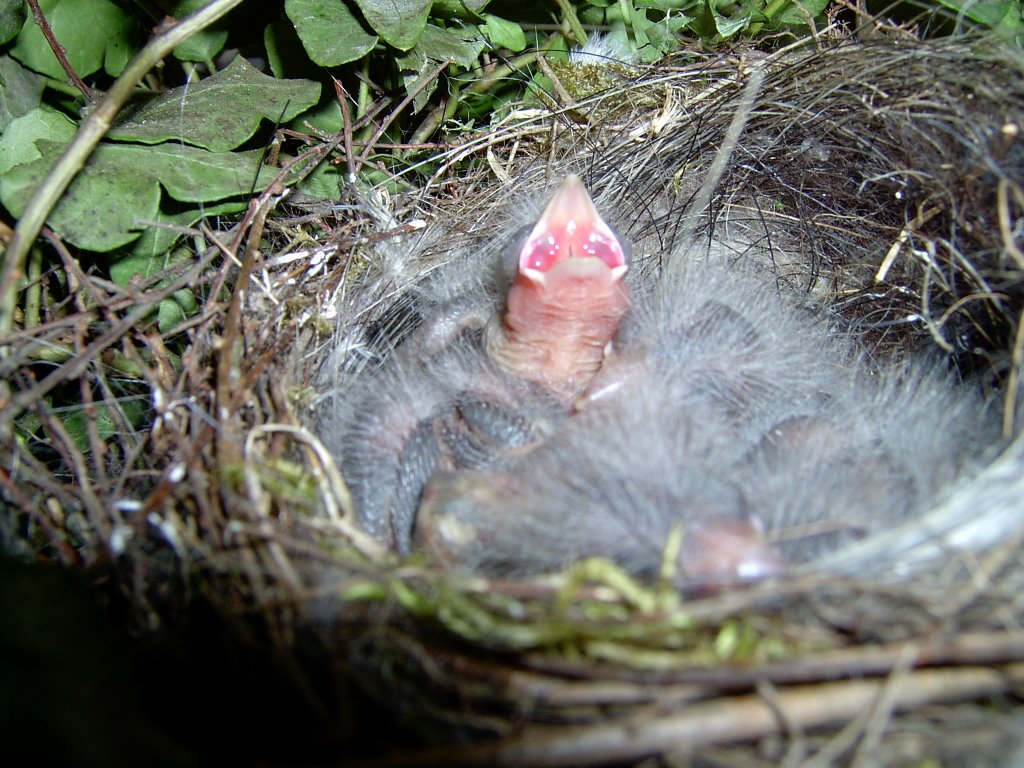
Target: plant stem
column 569, row 13
column 58, row 50
column 78, row 151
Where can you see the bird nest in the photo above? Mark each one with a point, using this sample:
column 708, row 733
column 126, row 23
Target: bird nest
column 886, row 180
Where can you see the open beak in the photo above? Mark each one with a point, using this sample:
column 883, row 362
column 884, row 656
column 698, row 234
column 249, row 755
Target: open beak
column 571, row 230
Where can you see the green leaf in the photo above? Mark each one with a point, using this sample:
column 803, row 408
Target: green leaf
column 156, row 241
column 323, row 183
column 21, row 90
column 171, row 311
column 325, row 117
column 798, row 14
column 98, row 210
column 1007, row 15
column 458, row 9
column 665, row 5
column 664, row 36
column 654, row 37
column 399, row 22
column 76, row 421
column 95, row 34
column 729, row 26
column 18, row 143
column 121, row 185
column 220, row 112
column 462, row 45
column 330, row 32
column 137, row 267
column 206, row 43
column 503, row 33
column 12, row 17
column 285, row 55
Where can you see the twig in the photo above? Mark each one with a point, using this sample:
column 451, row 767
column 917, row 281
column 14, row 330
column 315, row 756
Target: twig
column 569, row 13
column 922, row 218
column 479, row 85
column 885, row 706
column 1013, row 380
column 564, row 96
column 59, row 52
column 724, row 720
column 77, row 364
column 413, row 93
column 346, row 120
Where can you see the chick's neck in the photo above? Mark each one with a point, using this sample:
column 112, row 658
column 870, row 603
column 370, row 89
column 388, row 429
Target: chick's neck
column 556, row 331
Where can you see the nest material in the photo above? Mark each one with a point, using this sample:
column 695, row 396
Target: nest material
column 886, row 181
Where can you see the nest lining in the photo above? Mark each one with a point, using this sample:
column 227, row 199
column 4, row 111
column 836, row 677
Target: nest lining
column 229, row 494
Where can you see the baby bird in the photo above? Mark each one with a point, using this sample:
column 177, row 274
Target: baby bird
column 615, row 480
column 726, row 411
column 565, row 417
column 487, row 372
column 705, row 363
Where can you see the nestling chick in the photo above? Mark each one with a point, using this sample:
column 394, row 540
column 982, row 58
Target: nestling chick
column 614, row 481
column 572, row 419
column 567, row 296
column 726, row 410
column 486, row 373
column 705, row 363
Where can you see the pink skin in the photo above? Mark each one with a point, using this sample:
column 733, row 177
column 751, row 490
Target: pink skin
column 729, row 549
column 567, row 299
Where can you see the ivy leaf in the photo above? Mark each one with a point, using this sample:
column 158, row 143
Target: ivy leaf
column 18, row 143
column 503, row 33
column 1005, row 15
column 21, row 90
column 12, row 17
column 458, row 9
column 156, row 241
column 206, row 43
column 121, row 184
column 137, row 267
column 399, row 22
column 668, row 6
column 78, row 423
column 798, row 14
column 330, row 32
column 220, row 112
column 95, row 34
column 664, row 36
column 729, row 26
column 323, row 183
column 462, row 45
column 171, row 311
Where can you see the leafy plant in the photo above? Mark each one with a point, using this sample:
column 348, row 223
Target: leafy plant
column 422, row 53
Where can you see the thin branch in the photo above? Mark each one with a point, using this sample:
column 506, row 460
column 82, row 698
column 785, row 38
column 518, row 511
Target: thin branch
column 719, row 721
column 59, row 52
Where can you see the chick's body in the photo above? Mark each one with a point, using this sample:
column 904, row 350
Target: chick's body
column 494, row 362
column 426, row 413
column 725, row 409
column 731, row 412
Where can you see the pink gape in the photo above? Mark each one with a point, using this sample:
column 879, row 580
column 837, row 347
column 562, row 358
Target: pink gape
column 567, row 298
